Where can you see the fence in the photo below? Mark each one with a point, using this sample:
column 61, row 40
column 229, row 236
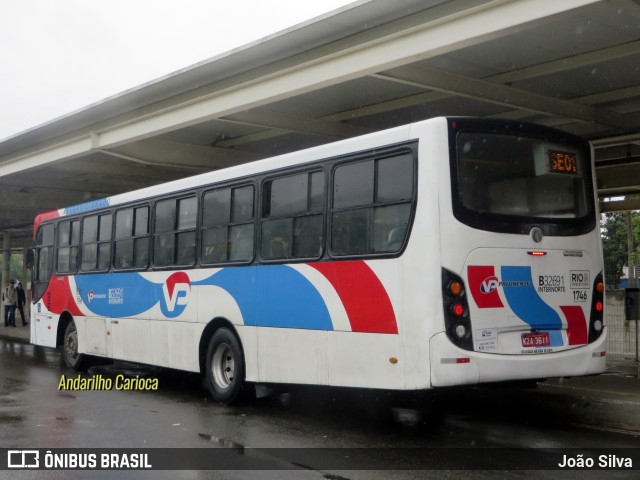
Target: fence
column 623, row 333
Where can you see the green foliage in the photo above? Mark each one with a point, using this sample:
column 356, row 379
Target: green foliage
column 613, row 228
column 15, row 267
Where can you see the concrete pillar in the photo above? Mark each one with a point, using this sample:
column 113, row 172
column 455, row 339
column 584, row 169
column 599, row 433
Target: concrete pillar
column 632, row 253
column 26, row 282
column 6, row 265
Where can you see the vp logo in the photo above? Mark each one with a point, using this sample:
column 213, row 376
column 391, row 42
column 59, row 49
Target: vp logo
column 176, row 292
column 489, row 284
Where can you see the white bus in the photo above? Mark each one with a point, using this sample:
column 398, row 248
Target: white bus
column 447, row 252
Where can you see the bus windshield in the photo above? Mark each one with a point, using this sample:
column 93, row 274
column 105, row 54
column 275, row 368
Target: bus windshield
column 505, row 181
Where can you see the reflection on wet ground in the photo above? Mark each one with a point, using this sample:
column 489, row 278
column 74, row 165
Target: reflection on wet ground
column 34, row 412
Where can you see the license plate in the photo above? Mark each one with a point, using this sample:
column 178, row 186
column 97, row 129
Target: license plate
column 536, row 339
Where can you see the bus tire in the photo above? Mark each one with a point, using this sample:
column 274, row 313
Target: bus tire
column 70, row 355
column 225, row 366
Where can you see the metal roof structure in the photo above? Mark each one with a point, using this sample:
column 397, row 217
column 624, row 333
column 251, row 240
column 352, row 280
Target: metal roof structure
column 374, row 64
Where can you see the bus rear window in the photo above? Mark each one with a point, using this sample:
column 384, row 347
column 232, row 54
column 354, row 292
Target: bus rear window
column 502, row 175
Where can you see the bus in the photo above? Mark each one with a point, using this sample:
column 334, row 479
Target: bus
column 452, row 251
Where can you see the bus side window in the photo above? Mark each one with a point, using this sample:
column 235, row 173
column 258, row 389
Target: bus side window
column 372, row 205
column 44, row 242
column 96, row 242
column 131, row 238
column 67, row 246
column 175, row 232
column 227, row 225
column 293, row 217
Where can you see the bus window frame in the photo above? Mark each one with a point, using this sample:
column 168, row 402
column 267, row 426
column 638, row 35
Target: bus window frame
column 114, row 240
column 231, row 186
column 268, row 178
column 177, row 197
column 41, row 286
column 97, row 242
column 57, row 247
column 410, row 148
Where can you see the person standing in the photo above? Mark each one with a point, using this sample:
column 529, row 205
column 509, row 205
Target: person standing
column 9, row 298
column 21, row 299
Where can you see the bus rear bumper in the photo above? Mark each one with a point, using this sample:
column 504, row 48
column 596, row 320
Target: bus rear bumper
column 452, row 366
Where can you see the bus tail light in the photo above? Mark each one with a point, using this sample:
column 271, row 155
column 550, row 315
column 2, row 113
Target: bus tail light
column 456, row 310
column 596, row 320
column 455, row 288
column 460, row 330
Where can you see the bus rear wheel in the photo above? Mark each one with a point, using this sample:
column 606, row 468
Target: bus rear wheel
column 225, row 366
column 70, row 355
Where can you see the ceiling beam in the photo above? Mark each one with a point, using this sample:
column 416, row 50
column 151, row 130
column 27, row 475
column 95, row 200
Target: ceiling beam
column 282, row 124
column 197, row 158
column 38, row 200
column 460, row 85
column 118, row 170
column 568, row 63
column 547, row 68
column 295, row 123
column 620, row 205
column 618, row 179
column 44, row 180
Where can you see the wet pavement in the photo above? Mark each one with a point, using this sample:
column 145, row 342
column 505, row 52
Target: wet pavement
column 588, row 412
column 610, row 400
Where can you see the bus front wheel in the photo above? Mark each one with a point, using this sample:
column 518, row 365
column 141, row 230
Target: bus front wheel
column 225, row 366
column 70, row 355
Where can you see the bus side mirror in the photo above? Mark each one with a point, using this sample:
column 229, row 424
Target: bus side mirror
column 29, row 259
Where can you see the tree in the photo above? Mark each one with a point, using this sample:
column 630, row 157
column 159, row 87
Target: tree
column 613, row 228
column 15, row 266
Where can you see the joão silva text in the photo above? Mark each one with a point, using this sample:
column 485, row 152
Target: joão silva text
column 604, row 461
column 98, row 382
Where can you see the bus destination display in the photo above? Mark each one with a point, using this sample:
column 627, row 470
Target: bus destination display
column 562, row 162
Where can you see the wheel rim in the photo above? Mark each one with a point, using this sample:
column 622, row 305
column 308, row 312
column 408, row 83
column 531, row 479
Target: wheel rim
column 71, row 345
column 223, row 366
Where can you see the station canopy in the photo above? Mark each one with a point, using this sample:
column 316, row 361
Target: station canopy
column 376, row 64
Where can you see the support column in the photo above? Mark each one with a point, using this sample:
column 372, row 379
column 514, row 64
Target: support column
column 26, row 283
column 632, row 253
column 6, row 265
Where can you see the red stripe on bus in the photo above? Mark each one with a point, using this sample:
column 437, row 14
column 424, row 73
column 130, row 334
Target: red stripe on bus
column 41, row 218
column 576, row 324
column 483, row 284
column 364, row 297
column 58, row 297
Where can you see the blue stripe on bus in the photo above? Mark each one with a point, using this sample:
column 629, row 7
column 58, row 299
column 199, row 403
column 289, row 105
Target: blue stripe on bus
column 119, row 294
column 273, row 296
column 267, row 296
column 525, row 302
column 87, row 206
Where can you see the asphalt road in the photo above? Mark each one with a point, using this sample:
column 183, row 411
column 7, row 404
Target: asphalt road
column 389, row 434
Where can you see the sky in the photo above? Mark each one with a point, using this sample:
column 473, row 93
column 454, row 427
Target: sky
column 58, row 56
